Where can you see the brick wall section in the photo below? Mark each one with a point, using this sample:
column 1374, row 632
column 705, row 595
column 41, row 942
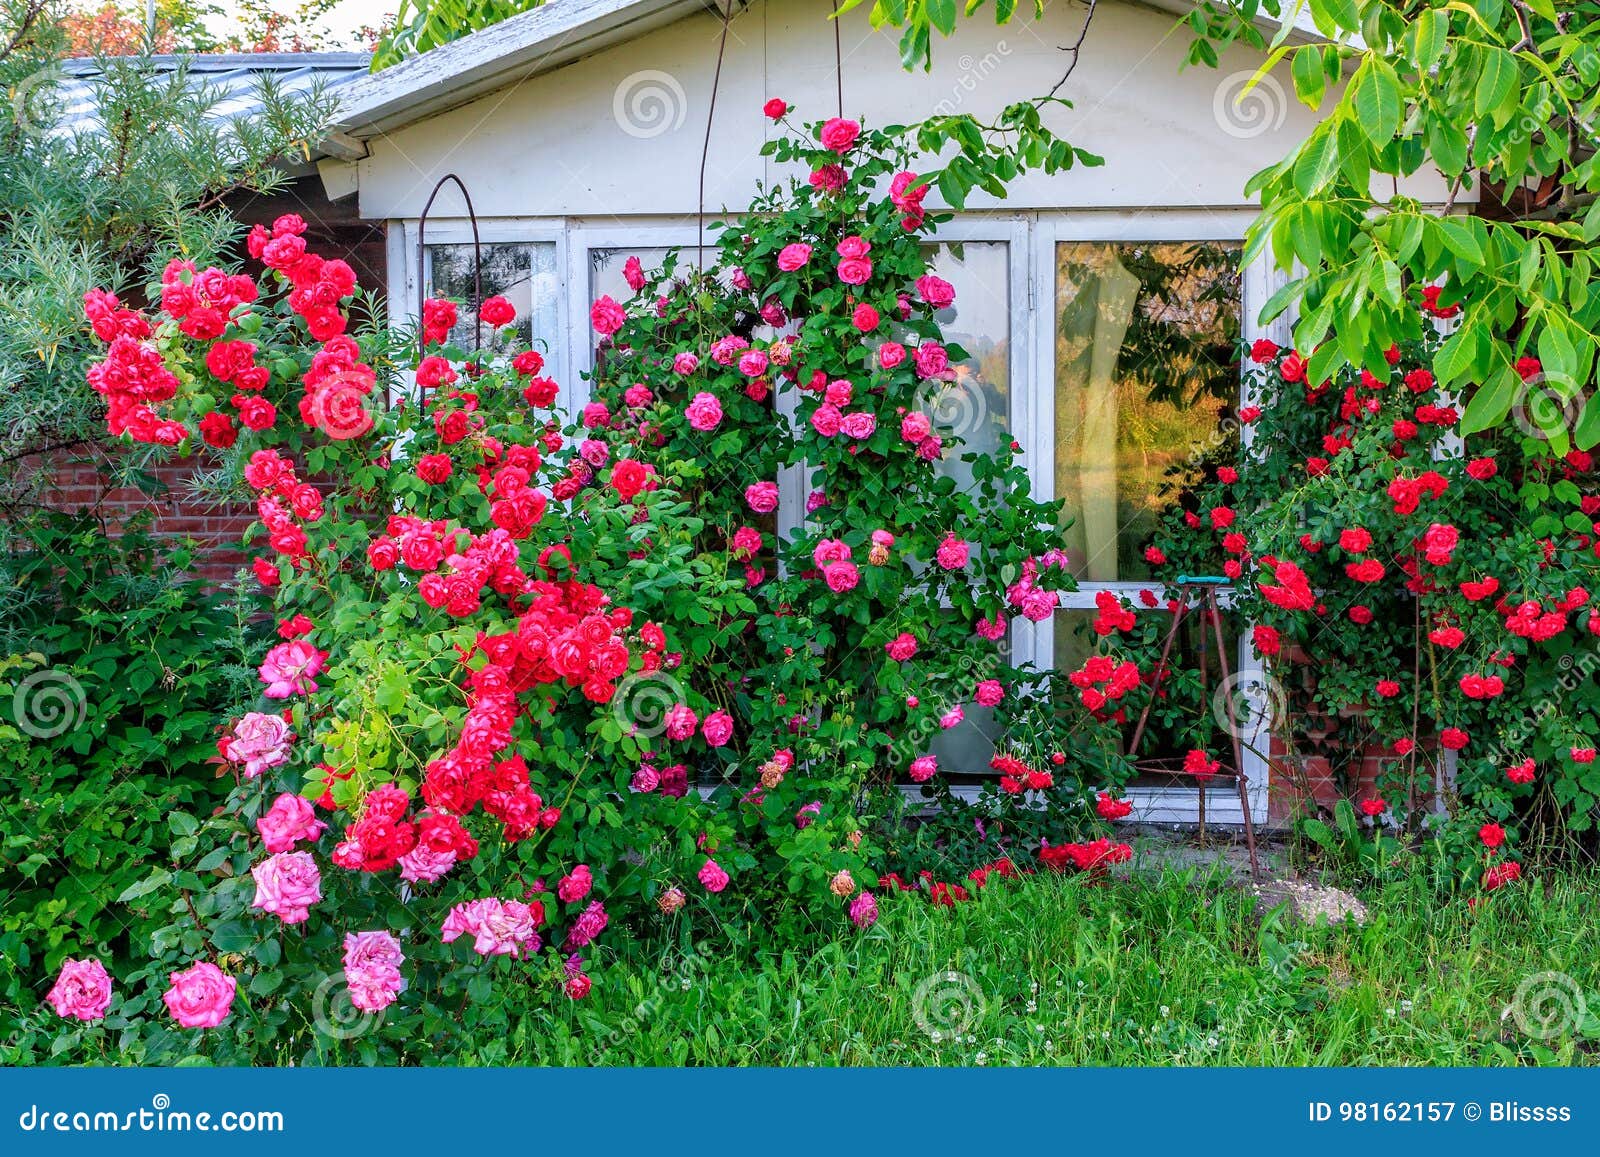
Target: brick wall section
column 214, row 532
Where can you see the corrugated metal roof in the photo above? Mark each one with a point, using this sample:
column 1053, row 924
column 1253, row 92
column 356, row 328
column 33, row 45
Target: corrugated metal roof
column 234, row 78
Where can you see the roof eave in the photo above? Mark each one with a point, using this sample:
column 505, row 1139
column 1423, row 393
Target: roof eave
column 516, row 49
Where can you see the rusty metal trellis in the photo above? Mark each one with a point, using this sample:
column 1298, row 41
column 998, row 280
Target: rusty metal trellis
column 1201, row 594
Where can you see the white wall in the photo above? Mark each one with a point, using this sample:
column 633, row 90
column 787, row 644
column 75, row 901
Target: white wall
column 554, row 146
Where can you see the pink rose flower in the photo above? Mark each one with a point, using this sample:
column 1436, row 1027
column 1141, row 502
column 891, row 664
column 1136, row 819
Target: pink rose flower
column 864, row 910
column 865, row 318
column 991, row 629
column 794, row 256
column 826, row 419
column 201, row 996
column 807, row 815
column 372, row 970
column 952, row 717
column 717, row 728
column 923, row 768
column 859, row 425
column 990, row 692
column 839, row 392
column 645, row 780
column 915, row 426
column 762, row 497
column 287, row 884
column 259, row 742
column 589, row 924
column 952, row 553
column 931, row 448
column 841, row 576
column 853, row 246
column 82, row 990
column 936, row 291
column 424, row 864
column 638, row 396
column 685, row 363
column 607, row 316
column 633, row 274
column 753, row 363
column 497, row 927
column 891, row 354
column 830, row 550
column 839, row 135
column 712, row 876
column 681, row 721
column 290, row 819
column 855, row 270
column 575, row 885
column 902, row 647
column 704, row 412
column 931, row 359
column 290, row 669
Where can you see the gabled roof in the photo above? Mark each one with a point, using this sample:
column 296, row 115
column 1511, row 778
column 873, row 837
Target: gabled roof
column 234, row 78
column 520, row 47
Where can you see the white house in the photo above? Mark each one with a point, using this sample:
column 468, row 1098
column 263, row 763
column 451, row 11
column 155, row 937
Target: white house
column 580, row 131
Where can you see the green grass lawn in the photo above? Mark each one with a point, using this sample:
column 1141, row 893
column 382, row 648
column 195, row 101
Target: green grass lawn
column 1173, row 969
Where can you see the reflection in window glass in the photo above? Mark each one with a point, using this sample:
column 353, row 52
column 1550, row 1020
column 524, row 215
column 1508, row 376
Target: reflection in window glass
column 605, row 268
column 1146, row 369
column 523, row 274
column 977, row 403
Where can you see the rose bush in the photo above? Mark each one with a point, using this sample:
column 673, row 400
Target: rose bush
column 531, row 681
column 1417, row 597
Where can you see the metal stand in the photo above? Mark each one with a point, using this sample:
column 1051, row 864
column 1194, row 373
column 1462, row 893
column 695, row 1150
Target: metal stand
column 1203, row 593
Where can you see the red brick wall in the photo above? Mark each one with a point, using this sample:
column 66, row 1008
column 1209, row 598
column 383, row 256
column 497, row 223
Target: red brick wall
column 82, row 485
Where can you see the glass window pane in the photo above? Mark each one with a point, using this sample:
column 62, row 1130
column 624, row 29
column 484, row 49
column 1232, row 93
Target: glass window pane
column 523, row 274
column 976, row 404
column 1146, row 372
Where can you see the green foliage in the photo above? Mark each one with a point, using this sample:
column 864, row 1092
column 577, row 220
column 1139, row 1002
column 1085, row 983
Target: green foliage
column 423, row 24
column 1497, row 96
column 1350, row 852
column 113, row 671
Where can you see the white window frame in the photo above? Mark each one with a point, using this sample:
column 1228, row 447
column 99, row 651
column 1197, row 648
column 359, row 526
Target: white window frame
column 1152, row 803
column 405, row 272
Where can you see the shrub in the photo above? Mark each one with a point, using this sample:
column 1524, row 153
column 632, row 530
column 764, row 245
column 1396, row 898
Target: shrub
column 114, row 672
